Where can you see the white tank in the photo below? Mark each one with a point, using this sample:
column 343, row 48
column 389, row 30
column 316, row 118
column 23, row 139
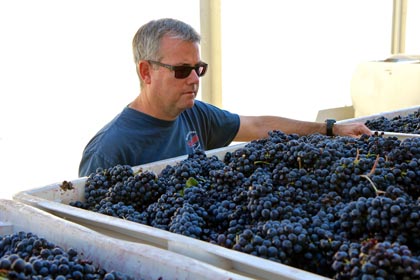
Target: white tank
column 386, row 85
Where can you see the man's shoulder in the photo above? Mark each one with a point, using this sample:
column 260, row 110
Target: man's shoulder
column 205, row 108
column 201, row 106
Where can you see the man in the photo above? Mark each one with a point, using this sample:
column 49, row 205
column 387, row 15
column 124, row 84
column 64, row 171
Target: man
column 165, row 120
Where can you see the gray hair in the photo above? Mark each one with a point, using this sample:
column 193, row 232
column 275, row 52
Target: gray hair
column 146, row 41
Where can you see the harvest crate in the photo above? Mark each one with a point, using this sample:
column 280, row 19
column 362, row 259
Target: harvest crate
column 137, row 260
column 389, row 114
column 55, row 199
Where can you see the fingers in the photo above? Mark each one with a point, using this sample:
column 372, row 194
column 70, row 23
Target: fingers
column 353, row 129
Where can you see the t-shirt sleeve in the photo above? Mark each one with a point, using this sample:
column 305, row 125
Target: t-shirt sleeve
column 90, row 163
column 92, row 160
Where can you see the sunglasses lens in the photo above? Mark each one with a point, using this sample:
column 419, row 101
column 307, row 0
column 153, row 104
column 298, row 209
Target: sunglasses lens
column 201, row 70
column 182, row 72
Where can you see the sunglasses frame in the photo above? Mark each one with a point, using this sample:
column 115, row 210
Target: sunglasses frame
column 180, row 70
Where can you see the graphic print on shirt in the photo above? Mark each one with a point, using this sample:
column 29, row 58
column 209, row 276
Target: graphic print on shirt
column 193, row 141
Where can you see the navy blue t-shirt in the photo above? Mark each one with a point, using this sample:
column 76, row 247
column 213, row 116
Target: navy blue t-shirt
column 134, row 138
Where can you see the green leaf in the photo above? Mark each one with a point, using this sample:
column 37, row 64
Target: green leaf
column 191, row 182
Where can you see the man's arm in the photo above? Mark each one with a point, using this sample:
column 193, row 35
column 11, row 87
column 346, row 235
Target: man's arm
column 256, row 127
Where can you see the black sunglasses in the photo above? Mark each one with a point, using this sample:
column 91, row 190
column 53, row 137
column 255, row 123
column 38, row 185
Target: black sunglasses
column 183, row 71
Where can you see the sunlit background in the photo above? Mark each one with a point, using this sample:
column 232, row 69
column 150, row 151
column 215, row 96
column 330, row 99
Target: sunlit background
column 66, row 67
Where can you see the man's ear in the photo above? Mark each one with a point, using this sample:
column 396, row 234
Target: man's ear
column 144, row 71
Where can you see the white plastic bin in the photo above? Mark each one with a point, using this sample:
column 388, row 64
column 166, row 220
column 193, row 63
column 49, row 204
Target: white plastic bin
column 389, row 115
column 135, row 259
column 55, row 200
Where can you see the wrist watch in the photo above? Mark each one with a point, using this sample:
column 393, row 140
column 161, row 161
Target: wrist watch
column 330, row 124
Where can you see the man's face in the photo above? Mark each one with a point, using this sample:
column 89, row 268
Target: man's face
column 175, row 95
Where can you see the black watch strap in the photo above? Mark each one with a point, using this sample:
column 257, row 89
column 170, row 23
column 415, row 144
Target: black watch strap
column 330, row 124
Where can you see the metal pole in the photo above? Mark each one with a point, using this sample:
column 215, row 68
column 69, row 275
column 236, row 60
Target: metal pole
column 211, row 85
column 398, row 26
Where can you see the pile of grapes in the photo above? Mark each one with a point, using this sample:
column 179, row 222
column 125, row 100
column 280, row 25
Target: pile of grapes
column 24, row 255
column 402, row 124
column 340, row 207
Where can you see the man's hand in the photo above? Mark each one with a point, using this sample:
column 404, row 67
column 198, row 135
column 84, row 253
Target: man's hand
column 351, row 129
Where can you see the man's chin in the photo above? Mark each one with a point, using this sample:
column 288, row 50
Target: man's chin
column 189, row 102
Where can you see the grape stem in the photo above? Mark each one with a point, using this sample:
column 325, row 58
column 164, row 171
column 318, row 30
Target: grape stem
column 367, row 177
column 374, row 165
column 378, row 192
column 357, row 155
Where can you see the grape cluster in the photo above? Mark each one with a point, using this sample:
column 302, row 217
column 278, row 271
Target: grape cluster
column 402, row 124
column 375, row 260
column 120, row 210
column 160, row 213
column 188, row 220
column 99, row 182
column 24, row 255
column 136, row 190
column 304, row 201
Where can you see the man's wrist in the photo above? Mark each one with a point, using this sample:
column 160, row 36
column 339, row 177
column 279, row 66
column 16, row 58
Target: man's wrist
column 330, row 127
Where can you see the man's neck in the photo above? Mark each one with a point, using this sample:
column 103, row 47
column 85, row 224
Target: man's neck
column 142, row 104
